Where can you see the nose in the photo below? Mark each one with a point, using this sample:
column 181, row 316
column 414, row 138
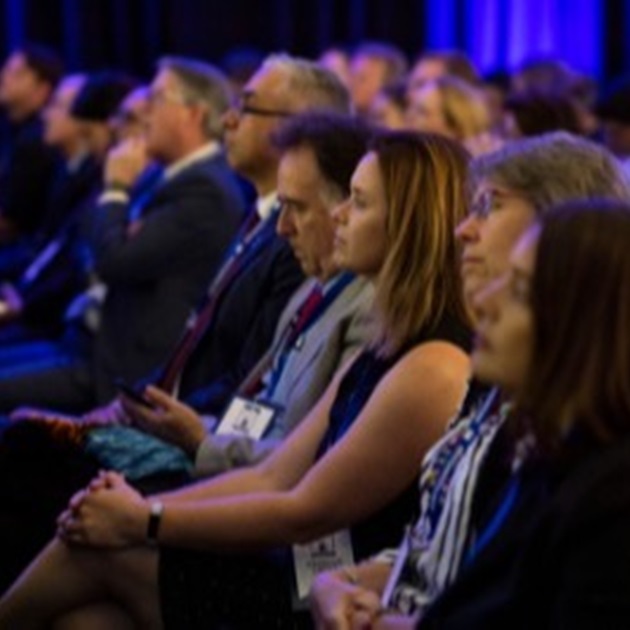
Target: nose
column 229, row 120
column 468, row 229
column 340, row 212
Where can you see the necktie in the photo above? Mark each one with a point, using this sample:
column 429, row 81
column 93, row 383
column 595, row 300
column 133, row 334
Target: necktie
column 236, row 262
column 303, row 317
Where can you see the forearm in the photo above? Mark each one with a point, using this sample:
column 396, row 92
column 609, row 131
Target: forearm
column 238, row 482
column 260, row 521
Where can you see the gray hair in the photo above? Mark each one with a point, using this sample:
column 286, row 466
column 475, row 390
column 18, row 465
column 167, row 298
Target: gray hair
column 309, row 85
column 553, row 168
column 204, row 84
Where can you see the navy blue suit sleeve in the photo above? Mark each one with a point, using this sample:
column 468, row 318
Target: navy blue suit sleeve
column 168, row 236
column 280, row 287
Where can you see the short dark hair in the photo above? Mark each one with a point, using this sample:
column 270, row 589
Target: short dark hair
column 44, row 62
column 101, row 95
column 338, row 142
column 536, row 113
column 580, row 300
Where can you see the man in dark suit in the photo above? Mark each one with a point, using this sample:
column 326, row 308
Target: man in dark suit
column 153, row 245
column 54, row 268
column 27, row 81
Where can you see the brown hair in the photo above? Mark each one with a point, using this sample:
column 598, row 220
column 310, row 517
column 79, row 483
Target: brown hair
column 580, row 296
column 424, row 179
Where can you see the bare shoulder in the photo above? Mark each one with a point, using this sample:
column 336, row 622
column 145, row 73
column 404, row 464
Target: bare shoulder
column 429, row 365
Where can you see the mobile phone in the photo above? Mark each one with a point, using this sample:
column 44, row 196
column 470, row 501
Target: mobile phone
column 132, row 393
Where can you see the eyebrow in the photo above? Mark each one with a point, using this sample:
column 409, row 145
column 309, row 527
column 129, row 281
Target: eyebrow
column 291, row 200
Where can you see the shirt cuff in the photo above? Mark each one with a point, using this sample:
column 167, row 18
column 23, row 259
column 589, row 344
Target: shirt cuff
column 113, row 196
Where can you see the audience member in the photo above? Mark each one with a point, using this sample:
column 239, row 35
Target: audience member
column 496, row 87
column 27, row 81
column 450, row 107
column 94, row 105
column 337, row 60
column 435, row 64
column 389, row 106
column 413, row 373
column 536, row 113
column 373, row 66
column 53, row 264
column 614, row 114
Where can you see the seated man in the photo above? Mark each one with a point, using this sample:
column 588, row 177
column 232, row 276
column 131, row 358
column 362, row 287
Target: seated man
column 27, row 80
column 56, row 268
column 154, row 247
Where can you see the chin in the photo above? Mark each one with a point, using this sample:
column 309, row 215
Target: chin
column 484, row 370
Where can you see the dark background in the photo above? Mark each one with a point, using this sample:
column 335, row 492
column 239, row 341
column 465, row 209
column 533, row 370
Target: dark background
column 592, row 35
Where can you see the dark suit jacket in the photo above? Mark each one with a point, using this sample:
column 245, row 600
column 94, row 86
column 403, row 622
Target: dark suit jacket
column 58, row 269
column 27, row 169
column 157, row 275
column 561, row 559
column 243, row 325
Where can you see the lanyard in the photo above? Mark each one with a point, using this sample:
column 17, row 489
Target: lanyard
column 293, row 332
column 497, row 520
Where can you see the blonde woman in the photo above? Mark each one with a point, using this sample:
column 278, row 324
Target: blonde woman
column 453, row 108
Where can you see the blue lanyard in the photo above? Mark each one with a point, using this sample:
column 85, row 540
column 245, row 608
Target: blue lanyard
column 289, row 339
column 497, row 520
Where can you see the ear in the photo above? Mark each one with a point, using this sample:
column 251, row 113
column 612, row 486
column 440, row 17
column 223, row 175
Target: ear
column 199, row 114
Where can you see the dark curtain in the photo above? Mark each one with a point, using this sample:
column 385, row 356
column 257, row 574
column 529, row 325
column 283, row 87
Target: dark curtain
column 131, row 34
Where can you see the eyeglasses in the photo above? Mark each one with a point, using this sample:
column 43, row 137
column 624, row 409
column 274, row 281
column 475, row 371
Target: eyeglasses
column 242, row 108
column 489, row 202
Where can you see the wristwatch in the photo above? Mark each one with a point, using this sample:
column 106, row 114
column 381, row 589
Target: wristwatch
column 153, row 526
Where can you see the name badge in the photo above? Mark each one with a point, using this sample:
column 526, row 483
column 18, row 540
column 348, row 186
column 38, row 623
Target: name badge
column 245, row 417
column 323, row 554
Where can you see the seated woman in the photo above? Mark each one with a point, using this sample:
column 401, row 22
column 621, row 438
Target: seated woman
column 454, row 108
column 548, row 546
column 370, row 430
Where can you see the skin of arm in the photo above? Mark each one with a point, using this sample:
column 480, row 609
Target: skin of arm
column 419, row 394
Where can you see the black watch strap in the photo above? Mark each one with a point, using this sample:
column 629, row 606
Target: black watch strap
column 153, row 526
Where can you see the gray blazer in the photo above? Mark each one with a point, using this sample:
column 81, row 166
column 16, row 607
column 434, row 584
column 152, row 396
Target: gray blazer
column 338, row 333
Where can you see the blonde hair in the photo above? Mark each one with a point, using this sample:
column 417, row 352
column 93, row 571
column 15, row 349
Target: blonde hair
column 463, row 106
column 424, row 180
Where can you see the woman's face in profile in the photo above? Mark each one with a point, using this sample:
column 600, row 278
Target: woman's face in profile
column 502, row 351
column 360, row 226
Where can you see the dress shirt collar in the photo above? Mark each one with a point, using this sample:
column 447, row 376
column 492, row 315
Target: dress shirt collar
column 265, row 205
column 208, row 150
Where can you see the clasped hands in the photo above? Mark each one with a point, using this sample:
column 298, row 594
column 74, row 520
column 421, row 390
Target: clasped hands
column 108, row 513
